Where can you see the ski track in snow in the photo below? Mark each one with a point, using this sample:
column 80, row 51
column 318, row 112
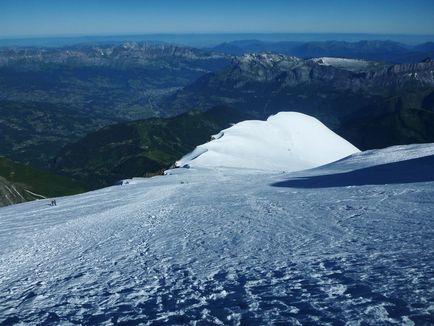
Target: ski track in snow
column 222, row 246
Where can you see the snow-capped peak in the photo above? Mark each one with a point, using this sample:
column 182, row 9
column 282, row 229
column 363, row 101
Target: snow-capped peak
column 287, row 141
column 343, row 63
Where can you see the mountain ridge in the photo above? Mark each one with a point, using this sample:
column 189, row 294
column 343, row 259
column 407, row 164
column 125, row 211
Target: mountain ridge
column 263, row 84
column 125, row 55
column 385, row 51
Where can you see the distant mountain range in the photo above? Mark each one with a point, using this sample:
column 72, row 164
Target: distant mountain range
column 336, row 91
column 51, row 98
column 370, row 104
column 384, row 51
column 123, row 56
column 201, row 40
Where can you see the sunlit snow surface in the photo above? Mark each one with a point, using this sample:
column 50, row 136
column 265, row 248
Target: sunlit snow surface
column 286, row 141
column 343, row 63
column 225, row 246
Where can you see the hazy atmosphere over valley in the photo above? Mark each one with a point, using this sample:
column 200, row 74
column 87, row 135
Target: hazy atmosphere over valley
column 216, row 162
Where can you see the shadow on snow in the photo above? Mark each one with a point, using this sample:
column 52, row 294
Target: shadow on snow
column 408, row 171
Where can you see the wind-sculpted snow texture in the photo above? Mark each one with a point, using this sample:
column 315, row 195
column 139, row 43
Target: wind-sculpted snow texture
column 229, row 246
column 287, row 141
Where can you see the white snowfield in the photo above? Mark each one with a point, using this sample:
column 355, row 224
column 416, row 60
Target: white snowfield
column 344, row 63
column 287, row 141
column 347, row 243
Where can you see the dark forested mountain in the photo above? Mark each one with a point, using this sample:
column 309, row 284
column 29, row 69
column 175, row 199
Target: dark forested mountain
column 399, row 127
column 385, row 51
column 140, row 148
column 20, row 183
column 53, row 96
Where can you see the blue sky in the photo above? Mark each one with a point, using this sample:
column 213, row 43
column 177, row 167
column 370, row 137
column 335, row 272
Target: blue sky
column 99, row 17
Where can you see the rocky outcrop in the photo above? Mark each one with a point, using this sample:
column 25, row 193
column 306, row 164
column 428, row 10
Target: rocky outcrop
column 11, row 193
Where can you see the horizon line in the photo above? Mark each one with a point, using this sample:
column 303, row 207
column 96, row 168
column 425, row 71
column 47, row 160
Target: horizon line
column 21, row 37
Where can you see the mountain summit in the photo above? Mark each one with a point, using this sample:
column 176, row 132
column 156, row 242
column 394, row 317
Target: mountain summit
column 287, row 141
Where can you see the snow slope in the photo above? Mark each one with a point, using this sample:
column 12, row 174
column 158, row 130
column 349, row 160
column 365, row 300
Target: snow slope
column 287, row 141
column 343, row 243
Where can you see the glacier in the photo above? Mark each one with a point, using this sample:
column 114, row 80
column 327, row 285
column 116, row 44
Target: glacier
column 350, row 242
column 344, row 63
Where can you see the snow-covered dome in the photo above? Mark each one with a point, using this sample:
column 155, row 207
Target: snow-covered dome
column 287, row 141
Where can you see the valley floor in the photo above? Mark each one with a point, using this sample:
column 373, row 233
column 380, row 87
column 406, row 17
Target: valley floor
column 345, row 243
